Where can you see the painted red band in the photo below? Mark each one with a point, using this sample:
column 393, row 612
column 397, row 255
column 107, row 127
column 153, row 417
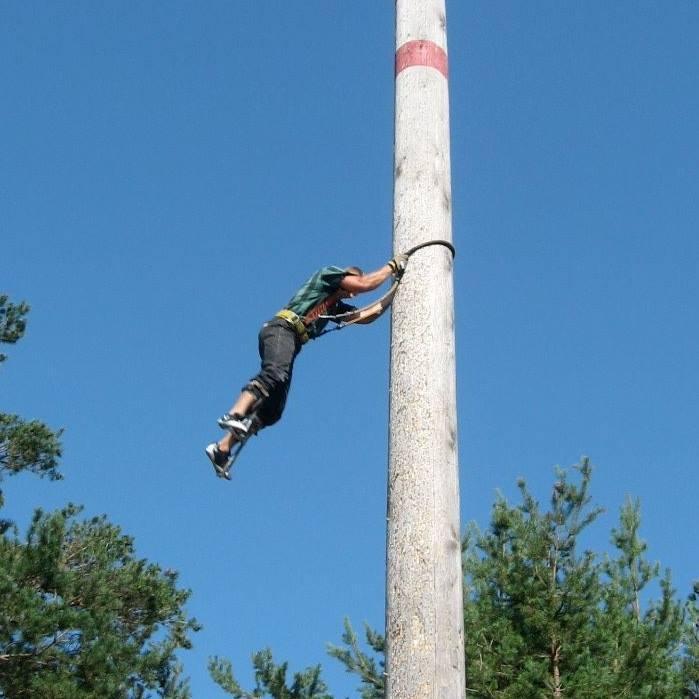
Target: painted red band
column 422, row 53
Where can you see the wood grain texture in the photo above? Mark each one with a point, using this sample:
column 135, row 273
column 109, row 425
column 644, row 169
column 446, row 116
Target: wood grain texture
column 424, row 627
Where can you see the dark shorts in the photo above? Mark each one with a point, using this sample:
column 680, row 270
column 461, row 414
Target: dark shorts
column 278, row 345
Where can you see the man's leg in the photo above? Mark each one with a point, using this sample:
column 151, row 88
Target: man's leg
column 252, row 396
column 225, row 444
column 242, row 406
column 266, row 392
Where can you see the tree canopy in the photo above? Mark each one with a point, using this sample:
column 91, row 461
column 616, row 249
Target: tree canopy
column 543, row 616
column 81, row 616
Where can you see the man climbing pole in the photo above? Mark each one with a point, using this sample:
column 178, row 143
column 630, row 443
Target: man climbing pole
column 317, row 302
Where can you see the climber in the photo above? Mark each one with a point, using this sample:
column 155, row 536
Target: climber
column 317, row 302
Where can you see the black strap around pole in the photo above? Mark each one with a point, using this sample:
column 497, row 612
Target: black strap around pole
column 445, row 243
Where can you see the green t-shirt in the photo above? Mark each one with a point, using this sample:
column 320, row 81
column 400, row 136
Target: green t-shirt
column 322, row 283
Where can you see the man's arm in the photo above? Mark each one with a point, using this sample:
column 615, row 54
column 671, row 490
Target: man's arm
column 360, row 283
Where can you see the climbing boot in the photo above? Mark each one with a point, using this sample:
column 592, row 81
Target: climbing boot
column 237, row 425
column 220, row 460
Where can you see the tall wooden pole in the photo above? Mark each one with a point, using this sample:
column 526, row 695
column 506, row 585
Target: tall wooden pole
column 424, row 613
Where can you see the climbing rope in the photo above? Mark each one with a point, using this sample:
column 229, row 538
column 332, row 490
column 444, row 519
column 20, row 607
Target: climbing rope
column 369, row 313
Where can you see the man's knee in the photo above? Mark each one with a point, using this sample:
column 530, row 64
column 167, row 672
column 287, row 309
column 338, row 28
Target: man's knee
column 270, row 411
column 271, row 379
column 269, row 382
column 258, row 389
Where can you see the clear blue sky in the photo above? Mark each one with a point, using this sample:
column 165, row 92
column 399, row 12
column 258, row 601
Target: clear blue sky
column 171, row 172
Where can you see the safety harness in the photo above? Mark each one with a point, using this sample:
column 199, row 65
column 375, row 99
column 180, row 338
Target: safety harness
column 296, row 321
column 366, row 314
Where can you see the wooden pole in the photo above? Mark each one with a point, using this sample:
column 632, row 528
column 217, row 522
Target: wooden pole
column 424, row 612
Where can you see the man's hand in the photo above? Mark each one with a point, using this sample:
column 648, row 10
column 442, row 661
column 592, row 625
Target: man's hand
column 398, row 264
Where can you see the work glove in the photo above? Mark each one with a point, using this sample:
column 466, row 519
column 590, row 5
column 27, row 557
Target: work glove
column 398, row 264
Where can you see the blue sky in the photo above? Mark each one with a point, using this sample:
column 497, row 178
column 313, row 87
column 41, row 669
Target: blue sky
column 171, row 172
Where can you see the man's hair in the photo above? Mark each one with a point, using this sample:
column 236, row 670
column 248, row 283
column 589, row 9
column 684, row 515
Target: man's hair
column 355, row 271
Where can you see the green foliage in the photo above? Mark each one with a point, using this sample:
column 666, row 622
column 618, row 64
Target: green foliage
column 28, row 446
column 690, row 661
column 643, row 646
column 369, row 669
column 270, row 680
column 544, row 619
column 12, row 321
column 24, row 445
column 530, row 595
column 82, row 617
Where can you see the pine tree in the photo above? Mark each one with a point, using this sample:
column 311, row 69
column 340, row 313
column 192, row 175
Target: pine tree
column 545, row 619
column 12, row 321
column 531, row 597
column 270, row 679
column 369, row 668
column 24, row 445
column 81, row 617
column 642, row 646
column 690, row 660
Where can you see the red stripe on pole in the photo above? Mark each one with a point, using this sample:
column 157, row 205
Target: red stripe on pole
column 422, row 53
